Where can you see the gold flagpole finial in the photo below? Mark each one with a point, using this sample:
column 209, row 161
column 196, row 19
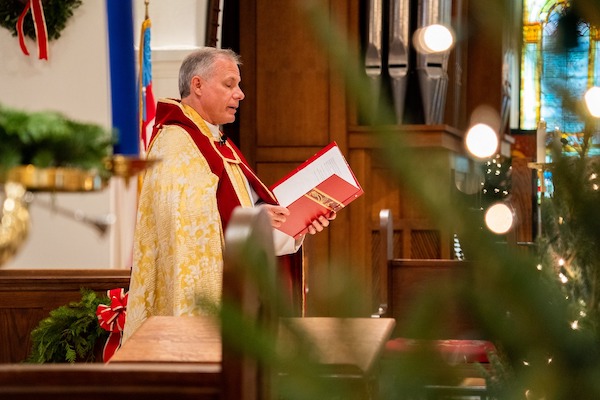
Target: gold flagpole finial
column 146, row 2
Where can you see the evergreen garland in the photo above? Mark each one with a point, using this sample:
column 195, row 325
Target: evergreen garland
column 70, row 333
column 49, row 139
column 56, row 14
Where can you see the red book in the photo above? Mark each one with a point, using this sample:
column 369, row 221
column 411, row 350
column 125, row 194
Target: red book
column 322, row 184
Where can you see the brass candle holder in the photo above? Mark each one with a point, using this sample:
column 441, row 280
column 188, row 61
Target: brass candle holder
column 127, row 167
column 66, row 179
column 19, row 182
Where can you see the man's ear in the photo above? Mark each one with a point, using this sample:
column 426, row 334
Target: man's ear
column 196, row 85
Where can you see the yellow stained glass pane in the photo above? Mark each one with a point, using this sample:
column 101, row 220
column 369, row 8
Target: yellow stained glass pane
column 532, row 33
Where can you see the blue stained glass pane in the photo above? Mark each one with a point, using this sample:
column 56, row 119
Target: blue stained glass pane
column 564, row 74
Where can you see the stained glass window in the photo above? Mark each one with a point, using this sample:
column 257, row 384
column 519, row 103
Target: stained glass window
column 553, row 70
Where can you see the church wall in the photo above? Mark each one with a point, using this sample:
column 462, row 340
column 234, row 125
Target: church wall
column 75, row 81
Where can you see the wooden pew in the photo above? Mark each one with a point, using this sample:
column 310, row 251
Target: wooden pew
column 236, row 377
column 402, row 285
column 28, row 295
column 97, row 381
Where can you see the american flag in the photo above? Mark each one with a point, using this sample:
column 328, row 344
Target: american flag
column 147, row 103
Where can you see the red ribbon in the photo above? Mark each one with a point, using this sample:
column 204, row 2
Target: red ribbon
column 112, row 318
column 39, row 22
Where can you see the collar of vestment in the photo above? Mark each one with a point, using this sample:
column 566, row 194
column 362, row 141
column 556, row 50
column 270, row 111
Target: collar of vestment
column 173, row 112
column 216, row 151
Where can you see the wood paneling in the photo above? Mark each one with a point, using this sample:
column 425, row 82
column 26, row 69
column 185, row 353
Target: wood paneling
column 417, row 282
column 523, row 181
column 297, row 103
column 293, row 105
column 484, row 72
column 292, row 78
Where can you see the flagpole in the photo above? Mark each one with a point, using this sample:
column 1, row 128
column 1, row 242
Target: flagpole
column 146, row 96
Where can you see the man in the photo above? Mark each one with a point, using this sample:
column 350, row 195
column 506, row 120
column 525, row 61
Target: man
column 188, row 197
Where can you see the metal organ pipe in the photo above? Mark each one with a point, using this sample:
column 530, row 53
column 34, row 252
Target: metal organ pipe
column 373, row 57
column 432, row 68
column 398, row 53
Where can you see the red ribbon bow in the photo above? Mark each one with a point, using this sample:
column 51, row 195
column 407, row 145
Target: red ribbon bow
column 112, row 318
column 39, row 22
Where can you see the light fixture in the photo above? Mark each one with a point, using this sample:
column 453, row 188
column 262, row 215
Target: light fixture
column 434, row 38
column 481, row 141
column 499, row 218
column 592, row 101
column 482, row 138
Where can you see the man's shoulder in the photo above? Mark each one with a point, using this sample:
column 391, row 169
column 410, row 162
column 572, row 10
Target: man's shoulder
column 173, row 135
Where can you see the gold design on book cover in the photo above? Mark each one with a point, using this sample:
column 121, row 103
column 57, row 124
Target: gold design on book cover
column 325, row 200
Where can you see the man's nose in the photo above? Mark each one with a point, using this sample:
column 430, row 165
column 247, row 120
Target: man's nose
column 240, row 94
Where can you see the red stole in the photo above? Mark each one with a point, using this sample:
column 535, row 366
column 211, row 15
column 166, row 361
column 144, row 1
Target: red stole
column 216, row 154
column 170, row 112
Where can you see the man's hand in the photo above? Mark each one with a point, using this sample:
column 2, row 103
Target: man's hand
column 321, row 223
column 277, row 214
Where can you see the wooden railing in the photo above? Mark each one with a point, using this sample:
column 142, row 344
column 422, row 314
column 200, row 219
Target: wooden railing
column 100, row 381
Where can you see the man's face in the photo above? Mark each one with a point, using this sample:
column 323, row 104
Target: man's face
column 220, row 94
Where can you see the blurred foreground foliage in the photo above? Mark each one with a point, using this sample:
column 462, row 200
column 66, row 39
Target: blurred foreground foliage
column 514, row 296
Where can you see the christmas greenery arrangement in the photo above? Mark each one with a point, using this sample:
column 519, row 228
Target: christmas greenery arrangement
column 49, row 139
column 56, row 14
column 71, row 332
column 569, row 248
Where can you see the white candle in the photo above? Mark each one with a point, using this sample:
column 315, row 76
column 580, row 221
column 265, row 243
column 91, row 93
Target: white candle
column 541, row 142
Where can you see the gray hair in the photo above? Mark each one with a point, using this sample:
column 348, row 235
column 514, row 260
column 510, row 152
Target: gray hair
column 201, row 63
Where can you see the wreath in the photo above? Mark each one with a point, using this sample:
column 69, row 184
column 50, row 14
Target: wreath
column 85, row 330
column 56, row 14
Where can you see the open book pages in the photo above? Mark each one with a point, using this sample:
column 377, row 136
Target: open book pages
column 322, row 184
